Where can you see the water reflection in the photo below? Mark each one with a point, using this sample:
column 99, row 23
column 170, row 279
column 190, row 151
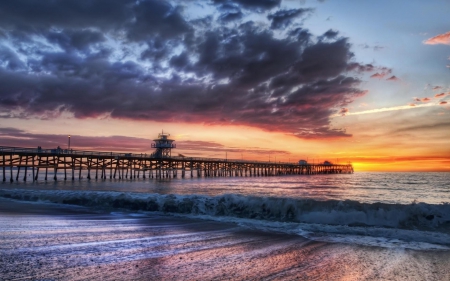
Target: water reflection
column 363, row 187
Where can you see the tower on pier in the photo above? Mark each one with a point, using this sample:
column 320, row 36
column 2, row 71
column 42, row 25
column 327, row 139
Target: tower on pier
column 163, row 146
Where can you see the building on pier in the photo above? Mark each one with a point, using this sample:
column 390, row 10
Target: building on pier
column 163, row 146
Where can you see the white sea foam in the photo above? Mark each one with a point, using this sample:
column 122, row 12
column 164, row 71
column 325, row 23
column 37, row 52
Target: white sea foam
column 419, row 225
column 367, row 236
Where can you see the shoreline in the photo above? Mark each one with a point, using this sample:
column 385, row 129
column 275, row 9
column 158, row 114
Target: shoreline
column 45, row 240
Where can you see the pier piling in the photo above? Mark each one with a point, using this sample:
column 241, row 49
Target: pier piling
column 129, row 166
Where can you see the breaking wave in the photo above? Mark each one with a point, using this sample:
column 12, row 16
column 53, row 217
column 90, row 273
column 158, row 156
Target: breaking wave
column 332, row 212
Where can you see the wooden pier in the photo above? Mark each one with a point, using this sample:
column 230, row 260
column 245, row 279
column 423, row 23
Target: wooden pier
column 49, row 164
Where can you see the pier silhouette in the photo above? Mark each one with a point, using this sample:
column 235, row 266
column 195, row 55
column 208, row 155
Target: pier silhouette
column 46, row 163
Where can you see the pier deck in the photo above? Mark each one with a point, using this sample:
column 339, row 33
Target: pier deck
column 69, row 164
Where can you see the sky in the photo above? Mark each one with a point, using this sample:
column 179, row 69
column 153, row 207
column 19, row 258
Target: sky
column 365, row 82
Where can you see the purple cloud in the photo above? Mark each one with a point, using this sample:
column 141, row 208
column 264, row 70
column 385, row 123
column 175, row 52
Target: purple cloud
column 147, row 60
column 343, row 111
column 19, row 138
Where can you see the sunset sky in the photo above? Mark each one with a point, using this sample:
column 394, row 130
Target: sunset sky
column 366, row 82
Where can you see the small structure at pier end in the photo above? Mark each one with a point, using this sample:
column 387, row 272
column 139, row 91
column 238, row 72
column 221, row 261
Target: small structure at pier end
column 163, row 146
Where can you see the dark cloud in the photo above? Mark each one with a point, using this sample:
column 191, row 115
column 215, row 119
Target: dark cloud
column 259, row 5
column 330, row 34
column 324, row 60
column 138, row 19
column 283, row 18
column 300, row 35
column 354, row 66
column 145, row 61
column 439, row 95
column 10, row 59
column 78, row 39
column 231, row 12
column 231, row 16
column 157, row 50
column 156, row 17
column 34, row 16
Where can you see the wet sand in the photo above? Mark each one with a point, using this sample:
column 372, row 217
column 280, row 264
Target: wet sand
column 54, row 242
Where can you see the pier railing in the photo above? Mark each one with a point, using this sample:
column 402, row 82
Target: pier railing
column 130, row 165
column 68, row 152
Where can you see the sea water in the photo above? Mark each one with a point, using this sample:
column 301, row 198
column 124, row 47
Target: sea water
column 410, row 210
column 361, row 226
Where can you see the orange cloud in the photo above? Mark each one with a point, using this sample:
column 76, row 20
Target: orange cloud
column 378, row 75
column 437, row 87
column 412, row 104
column 439, row 39
column 383, row 71
column 417, row 99
column 443, row 102
column 425, row 99
column 439, row 95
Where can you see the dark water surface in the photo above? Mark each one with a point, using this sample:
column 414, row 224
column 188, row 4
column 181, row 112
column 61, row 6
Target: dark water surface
column 364, row 187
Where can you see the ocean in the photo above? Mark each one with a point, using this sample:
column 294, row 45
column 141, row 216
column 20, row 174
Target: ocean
column 361, row 226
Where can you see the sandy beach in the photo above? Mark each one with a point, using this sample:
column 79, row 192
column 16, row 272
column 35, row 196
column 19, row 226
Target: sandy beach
column 41, row 241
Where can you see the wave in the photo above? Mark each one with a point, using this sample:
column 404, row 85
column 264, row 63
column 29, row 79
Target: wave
column 415, row 226
column 332, row 216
